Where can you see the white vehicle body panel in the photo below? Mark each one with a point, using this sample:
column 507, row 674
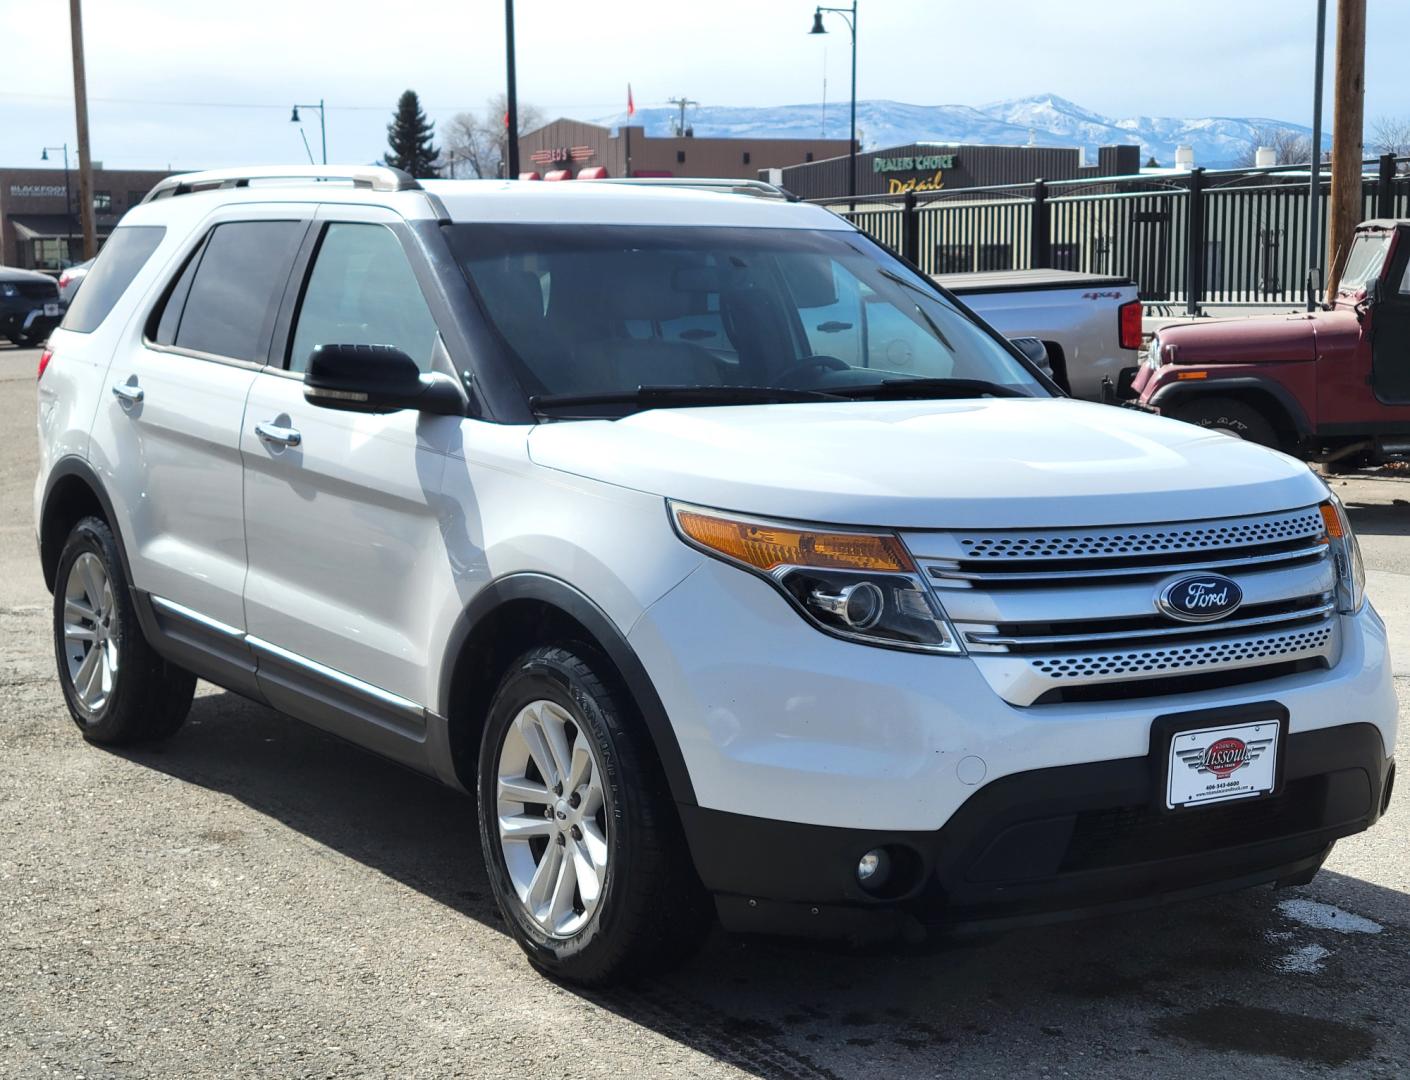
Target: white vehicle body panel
column 1008, row 463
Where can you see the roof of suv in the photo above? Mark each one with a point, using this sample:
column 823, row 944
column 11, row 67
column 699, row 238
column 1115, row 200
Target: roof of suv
column 713, row 203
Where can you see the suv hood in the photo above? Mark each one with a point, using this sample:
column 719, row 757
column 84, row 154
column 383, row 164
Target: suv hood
column 1263, row 339
column 1002, row 463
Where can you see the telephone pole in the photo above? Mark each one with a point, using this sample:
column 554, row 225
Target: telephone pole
column 682, row 102
column 511, row 98
column 85, row 160
column 1344, row 212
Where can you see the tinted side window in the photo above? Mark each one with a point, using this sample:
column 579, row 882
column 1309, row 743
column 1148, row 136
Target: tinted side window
column 125, row 253
column 362, row 292
column 237, row 286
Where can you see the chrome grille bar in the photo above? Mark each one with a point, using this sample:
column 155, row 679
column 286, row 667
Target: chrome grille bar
column 944, row 573
column 1318, row 613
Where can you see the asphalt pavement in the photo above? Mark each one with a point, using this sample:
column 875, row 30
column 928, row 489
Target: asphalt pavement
column 255, row 898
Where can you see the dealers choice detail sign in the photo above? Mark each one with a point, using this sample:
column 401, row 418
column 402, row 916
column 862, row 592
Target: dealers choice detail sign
column 930, row 170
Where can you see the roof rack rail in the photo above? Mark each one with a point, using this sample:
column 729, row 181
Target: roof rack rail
column 723, row 184
column 373, row 177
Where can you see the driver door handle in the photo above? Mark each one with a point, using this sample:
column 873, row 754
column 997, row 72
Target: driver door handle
column 278, row 436
column 127, row 394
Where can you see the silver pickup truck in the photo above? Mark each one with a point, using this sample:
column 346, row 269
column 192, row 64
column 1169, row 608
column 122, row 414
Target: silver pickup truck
column 1090, row 324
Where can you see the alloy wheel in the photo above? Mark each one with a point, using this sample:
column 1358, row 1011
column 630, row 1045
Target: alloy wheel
column 90, row 632
column 552, row 808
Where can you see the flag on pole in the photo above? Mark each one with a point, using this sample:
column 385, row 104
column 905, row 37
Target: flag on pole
column 631, row 107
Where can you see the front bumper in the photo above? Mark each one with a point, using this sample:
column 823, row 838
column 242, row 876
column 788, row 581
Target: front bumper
column 805, row 752
column 31, row 323
column 1043, row 846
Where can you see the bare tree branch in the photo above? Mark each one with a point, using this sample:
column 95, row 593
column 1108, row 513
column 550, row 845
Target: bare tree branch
column 475, row 142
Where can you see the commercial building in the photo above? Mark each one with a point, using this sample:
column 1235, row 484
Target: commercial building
column 39, row 212
column 922, row 166
column 565, row 149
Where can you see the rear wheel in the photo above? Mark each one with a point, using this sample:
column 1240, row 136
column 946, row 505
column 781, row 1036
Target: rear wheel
column 1231, row 416
column 580, row 838
column 117, row 688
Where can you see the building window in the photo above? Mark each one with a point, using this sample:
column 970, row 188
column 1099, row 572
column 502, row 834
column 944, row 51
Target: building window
column 135, row 197
column 49, row 253
column 103, row 202
column 808, row 156
column 746, row 157
column 680, row 157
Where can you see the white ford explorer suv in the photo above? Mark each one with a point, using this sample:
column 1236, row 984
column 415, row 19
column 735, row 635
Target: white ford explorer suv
column 735, row 568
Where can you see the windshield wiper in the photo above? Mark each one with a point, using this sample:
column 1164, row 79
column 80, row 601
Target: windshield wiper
column 898, row 389
column 659, row 397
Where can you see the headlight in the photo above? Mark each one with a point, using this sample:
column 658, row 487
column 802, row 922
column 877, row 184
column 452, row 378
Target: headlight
column 1153, row 353
column 863, row 586
column 1346, row 556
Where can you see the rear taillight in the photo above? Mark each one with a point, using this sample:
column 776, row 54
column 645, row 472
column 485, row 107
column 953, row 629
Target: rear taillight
column 1129, row 315
column 63, row 280
column 44, row 358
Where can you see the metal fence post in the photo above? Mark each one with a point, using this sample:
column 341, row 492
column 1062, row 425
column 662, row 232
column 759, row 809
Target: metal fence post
column 910, row 230
column 1385, row 188
column 1040, row 246
column 1194, row 244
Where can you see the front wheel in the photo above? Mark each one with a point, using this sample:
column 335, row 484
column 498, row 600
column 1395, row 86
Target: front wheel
column 1230, row 416
column 580, row 838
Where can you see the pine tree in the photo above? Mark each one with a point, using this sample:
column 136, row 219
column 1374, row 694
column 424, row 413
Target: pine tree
column 409, row 139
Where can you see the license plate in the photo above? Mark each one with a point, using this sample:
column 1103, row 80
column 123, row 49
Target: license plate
column 51, row 310
column 1219, row 764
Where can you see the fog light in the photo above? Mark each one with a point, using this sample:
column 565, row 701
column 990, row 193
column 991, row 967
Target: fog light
column 873, row 869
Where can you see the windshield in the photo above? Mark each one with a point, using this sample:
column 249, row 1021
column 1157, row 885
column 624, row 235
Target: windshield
column 1363, row 265
column 609, row 309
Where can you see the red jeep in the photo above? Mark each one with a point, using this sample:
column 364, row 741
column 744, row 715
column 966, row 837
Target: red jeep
column 1331, row 385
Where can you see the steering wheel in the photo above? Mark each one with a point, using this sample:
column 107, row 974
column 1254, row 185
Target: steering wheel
column 821, row 363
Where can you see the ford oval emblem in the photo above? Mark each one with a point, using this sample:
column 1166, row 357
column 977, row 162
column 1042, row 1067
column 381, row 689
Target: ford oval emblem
column 1200, row 598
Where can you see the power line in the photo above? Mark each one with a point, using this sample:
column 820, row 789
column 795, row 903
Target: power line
column 283, row 106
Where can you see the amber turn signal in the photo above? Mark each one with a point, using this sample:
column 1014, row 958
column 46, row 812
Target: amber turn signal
column 766, row 546
column 1332, row 520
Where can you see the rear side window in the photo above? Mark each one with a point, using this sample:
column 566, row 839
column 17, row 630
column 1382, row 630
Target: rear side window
column 125, row 253
column 235, row 289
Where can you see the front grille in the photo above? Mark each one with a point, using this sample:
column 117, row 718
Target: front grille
column 1048, row 610
column 1155, row 540
column 1102, row 665
column 38, row 290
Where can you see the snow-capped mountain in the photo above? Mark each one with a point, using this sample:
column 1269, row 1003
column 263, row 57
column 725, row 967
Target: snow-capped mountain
column 1041, row 119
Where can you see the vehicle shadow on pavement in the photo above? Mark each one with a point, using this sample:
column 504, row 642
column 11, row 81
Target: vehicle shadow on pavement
column 1380, row 519
column 1228, row 983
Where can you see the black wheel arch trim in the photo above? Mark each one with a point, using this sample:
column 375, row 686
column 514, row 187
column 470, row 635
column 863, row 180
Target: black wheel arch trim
column 555, row 592
column 1179, row 392
column 74, row 466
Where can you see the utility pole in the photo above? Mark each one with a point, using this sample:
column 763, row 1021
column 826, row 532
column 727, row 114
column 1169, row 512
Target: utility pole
column 85, row 160
column 682, row 102
column 511, row 98
column 1344, row 213
column 1314, row 181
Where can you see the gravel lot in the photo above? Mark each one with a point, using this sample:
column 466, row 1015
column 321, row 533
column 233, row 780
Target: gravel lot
column 258, row 899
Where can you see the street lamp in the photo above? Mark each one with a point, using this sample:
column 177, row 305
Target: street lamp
column 819, row 28
column 322, row 127
column 68, row 200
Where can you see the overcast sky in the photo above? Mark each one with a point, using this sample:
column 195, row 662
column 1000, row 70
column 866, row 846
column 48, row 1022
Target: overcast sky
column 191, row 83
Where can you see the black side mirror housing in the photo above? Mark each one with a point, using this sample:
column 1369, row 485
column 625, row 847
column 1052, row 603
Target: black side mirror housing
column 377, row 379
column 1036, row 352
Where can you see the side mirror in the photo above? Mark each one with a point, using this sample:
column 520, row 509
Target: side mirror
column 376, row 379
column 1036, row 352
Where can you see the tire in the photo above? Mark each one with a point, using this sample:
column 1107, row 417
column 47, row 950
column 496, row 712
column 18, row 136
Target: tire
column 1230, row 416
column 137, row 696
column 650, row 911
